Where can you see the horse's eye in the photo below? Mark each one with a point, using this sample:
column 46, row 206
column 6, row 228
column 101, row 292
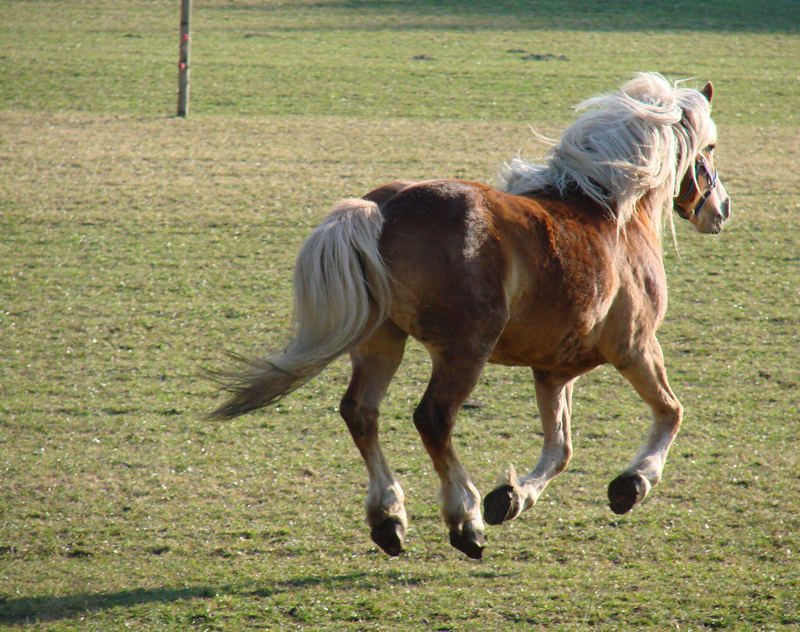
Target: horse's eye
column 711, row 148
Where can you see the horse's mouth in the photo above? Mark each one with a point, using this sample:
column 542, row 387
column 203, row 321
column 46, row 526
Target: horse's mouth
column 717, row 225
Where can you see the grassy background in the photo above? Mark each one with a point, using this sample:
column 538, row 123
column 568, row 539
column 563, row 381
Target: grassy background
column 137, row 246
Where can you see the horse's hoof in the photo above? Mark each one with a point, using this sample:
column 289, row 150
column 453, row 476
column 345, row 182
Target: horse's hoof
column 469, row 542
column 501, row 504
column 390, row 535
column 625, row 491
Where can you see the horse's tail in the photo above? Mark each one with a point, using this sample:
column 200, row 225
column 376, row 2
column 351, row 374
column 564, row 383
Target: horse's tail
column 341, row 294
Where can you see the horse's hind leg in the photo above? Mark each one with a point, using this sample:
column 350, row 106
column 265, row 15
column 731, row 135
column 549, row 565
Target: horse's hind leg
column 374, row 364
column 554, row 398
column 647, row 375
column 453, row 377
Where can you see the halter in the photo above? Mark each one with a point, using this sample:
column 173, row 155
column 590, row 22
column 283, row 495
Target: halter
column 712, row 184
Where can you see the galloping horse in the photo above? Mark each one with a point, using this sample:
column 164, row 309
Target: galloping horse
column 559, row 270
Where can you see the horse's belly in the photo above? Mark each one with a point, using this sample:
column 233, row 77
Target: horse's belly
column 548, row 349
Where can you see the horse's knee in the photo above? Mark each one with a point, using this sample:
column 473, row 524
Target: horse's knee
column 667, row 419
column 667, row 410
column 675, row 416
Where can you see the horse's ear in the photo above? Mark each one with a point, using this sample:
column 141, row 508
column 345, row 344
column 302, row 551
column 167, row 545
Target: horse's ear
column 707, row 91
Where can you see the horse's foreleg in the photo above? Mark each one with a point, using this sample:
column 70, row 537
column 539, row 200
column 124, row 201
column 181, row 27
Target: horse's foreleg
column 452, row 380
column 507, row 501
column 647, row 375
column 374, row 364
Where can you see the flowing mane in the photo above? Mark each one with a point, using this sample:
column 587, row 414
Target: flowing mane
column 623, row 146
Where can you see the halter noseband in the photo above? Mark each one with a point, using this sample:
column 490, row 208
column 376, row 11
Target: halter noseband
column 712, row 184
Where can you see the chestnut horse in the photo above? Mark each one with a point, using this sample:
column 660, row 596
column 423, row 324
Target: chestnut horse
column 559, row 270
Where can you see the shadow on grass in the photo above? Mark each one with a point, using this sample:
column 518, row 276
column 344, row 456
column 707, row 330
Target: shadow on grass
column 589, row 15
column 26, row 610
column 49, row 608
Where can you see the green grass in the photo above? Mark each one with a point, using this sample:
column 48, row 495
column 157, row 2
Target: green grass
column 358, row 58
column 136, row 247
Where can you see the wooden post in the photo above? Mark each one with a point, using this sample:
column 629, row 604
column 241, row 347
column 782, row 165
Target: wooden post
column 183, row 60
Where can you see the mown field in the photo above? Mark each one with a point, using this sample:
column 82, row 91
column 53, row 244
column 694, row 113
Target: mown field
column 137, row 247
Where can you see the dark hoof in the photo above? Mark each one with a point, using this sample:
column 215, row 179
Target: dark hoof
column 625, row 491
column 390, row 535
column 468, row 542
column 500, row 504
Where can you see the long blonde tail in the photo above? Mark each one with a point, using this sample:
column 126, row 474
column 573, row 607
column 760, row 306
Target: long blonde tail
column 341, row 294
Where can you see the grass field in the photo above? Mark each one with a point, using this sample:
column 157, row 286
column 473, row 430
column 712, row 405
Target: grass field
column 137, row 247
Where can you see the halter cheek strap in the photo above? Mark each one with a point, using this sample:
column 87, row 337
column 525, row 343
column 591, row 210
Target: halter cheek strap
column 712, row 184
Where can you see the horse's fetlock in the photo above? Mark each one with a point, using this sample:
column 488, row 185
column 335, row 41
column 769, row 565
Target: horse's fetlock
column 566, row 457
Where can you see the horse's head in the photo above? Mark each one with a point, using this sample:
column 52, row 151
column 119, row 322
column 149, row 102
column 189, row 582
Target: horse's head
column 701, row 198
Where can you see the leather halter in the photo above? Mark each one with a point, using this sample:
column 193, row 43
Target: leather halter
column 712, row 184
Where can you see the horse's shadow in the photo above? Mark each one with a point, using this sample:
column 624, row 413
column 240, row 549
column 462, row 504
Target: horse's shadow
column 50, row 608
column 47, row 608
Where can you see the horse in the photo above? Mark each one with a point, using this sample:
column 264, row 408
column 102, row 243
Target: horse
column 559, row 268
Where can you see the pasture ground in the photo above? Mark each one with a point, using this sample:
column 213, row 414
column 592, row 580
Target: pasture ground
column 136, row 247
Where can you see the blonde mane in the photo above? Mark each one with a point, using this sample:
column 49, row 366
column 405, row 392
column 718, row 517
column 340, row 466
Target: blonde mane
column 626, row 145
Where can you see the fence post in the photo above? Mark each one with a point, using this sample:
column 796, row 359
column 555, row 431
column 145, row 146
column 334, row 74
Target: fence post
column 183, row 60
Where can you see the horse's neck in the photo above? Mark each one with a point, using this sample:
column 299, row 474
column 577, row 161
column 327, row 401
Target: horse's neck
column 650, row 211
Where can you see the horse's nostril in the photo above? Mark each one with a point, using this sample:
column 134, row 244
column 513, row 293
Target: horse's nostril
column 725, row 209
